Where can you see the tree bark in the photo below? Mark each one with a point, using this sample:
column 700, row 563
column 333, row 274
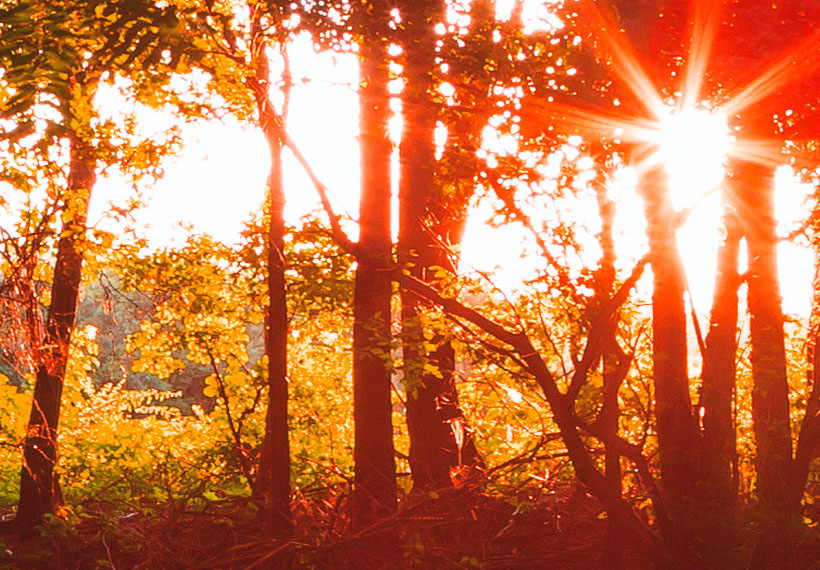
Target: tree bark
column 375, row 468
column 615, row 364
column 442, row 449
column 719, row 366
column 770, row 396
column 754, row 185
column 39, row 487
column 271, row 489
column 809, row 437
column 720, row 447
column 678, row 433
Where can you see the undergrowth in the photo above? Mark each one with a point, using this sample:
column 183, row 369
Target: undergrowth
column 464, row 528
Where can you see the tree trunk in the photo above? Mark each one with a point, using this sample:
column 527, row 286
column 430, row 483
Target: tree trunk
column 375, row 468
column 442, row 449
column 616, row 366
column 678, row 433
column 442, row 446
column 719, row 366
column 272, row 485
column 720, row 452
column 429, row 438
column 39, row 488
column 754, row 185
column 271, row 489
column 809, row 437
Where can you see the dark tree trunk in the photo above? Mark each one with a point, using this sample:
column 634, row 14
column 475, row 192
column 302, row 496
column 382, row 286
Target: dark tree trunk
column 429, row 437
column 375, row 468
column 809, row 438
column 678, row 433
column 807, row 442
column 272, row 484
column 754, row 185
column 39, row 488
column 770, row 402
column 441, row 445
column 616, row 366
column 720, row 451
column 271, row 489
column 719, row 366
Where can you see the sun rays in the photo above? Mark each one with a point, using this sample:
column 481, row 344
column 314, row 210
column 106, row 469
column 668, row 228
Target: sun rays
column 683, row 107
column 704, row 22
column 797, row 62
column 612, row 45
column 694, row 111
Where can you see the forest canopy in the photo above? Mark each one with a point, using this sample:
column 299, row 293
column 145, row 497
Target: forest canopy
column 365, row 386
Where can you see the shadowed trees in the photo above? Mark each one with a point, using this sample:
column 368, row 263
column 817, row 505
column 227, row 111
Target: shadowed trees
column 731, row 45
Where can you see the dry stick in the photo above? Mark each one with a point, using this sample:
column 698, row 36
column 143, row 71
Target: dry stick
column 108, row 553
column 237, row 437
column 335, row 469
column 527, row 456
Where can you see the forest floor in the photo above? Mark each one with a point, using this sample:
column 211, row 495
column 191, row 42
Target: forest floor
column 559, row 528
column 456, row 529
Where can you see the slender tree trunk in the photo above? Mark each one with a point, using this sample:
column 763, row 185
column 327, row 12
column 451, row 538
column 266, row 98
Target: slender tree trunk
column 39, row 488
column 720, row 453
column 272, row 485
column 616, row 366
column 719, row 366
column 770, row 403
column 375, row 468
column 809, row 439
column 754, row 185
column 441, row 445
column 429, row 437
column 678, row 433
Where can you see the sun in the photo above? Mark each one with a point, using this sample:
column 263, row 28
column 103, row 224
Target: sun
column 693, row 145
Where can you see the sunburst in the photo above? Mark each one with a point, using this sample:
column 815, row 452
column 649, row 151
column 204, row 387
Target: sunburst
column 689, row 128
column 696, row 125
